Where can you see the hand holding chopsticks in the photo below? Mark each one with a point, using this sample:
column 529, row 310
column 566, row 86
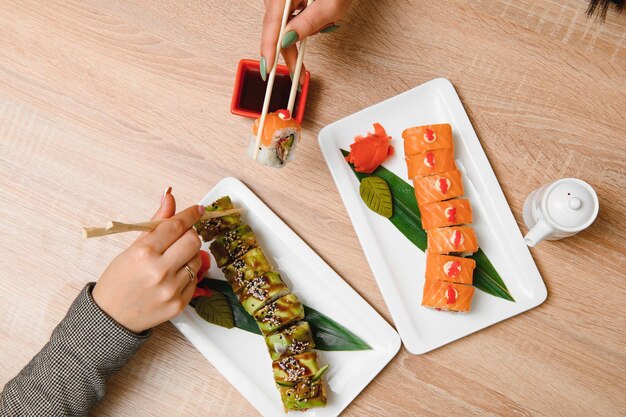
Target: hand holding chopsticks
column 113, row 227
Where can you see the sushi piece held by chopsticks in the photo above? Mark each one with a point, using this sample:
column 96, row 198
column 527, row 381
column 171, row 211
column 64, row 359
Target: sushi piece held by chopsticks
column 278, row 141
column 277, row 134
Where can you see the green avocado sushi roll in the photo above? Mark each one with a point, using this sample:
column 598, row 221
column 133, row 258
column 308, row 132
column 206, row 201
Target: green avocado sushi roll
column 250, row 265
column 305, row 394
column 261, row 290
column 232, row 244
column 279, row 313
column 292, row 340
column 290, row 369
column 211, row 228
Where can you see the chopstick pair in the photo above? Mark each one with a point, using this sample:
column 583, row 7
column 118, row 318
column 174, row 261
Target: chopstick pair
column 114, row 227
column 270, row 80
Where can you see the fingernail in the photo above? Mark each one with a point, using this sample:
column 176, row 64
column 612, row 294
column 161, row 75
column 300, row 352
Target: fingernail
column 291, row 76
column 289, row 39
column 200, row 209
column 299, row 88
column 330, row 28
column 263, row 69
column 166, row 192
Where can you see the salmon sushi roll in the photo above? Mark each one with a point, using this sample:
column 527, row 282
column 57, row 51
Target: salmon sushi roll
column 456, row 239
column 447, row 296
column 430, row 163
column 446, row 213
column 438, row 187
column 281, row 134
column 449, row 268
column 420, row 139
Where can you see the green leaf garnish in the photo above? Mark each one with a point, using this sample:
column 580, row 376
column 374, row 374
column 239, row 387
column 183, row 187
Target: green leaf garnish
column 215, row 309
column 407, row 219
column 376, row 195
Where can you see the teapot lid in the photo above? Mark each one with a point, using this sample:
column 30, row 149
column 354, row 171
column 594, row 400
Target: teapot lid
column 572, row 204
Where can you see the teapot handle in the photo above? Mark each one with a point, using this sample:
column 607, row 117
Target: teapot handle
column 538, row 233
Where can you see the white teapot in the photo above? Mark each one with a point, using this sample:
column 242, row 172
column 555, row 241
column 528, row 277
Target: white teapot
column 559, row 209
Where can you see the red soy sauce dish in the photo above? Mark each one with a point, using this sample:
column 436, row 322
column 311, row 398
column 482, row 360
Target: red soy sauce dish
column 249, row 91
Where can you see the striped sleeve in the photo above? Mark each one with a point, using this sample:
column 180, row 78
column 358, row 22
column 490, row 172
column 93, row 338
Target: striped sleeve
column 68, row 376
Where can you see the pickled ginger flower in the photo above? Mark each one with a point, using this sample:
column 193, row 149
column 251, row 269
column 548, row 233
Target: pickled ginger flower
column 369, row 152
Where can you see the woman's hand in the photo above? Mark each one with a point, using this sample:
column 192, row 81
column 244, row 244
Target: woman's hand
column 148, row 283
column 320, row 16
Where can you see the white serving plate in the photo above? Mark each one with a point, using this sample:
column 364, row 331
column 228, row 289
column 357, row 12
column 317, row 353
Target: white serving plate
column 242, row 356
column 397, row 264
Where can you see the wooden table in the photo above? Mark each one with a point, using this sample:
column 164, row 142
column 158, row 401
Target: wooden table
column 104, row 104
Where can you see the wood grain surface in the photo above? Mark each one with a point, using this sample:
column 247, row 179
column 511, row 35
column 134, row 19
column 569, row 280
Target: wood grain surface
column 103, row 104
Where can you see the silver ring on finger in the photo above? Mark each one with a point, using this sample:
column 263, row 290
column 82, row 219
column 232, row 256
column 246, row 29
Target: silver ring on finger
column 192, row 276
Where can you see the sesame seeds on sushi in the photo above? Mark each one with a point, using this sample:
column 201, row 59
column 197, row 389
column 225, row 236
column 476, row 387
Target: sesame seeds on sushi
column 262, row 290
column 291, row 340
column 250, row 265
column 232, row 244
column 290, row 369
column 279, row 313
column 211, row 228
column 305, row 394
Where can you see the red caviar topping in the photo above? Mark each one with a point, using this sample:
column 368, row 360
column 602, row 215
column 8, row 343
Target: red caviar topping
column 283, row 114
column 430, row 136
column 452, row 268
column 451, row 214
column 451, row 295
column 443, row 185
column 429, row 160
column 457, row 238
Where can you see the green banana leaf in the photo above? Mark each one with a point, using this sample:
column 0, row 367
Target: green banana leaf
column 328, row 334
column 406, row 217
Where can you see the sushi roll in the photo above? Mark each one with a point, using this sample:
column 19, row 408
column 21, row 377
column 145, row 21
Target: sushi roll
column 457, row 239
column 446, row 213
column 211, row 228
column 446, row 296
column 430, row 163
column 449, row 268
column 281, row 134
column 438, row 187
column 279, row 313
column 420, row 139
column 292, row 340
column 232, row 244
column 290, row 369
column 249, row 266
column 262, row 290
column 305, row 394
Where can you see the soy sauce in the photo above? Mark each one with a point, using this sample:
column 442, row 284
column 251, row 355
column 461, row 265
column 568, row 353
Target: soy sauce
column 253, row 92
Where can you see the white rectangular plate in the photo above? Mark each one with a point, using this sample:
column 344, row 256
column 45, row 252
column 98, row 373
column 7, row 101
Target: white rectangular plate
column 242, row 357
column 397, row 264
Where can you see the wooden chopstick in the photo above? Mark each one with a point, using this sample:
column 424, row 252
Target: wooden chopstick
column 270, row 81
column 296, row 74
column 114, row 227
